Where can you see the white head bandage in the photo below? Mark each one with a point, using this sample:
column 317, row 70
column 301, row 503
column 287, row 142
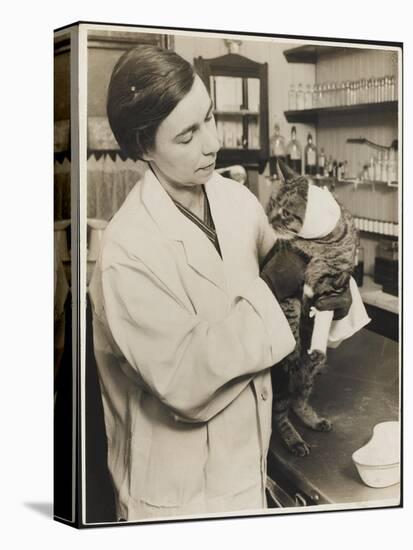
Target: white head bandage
column 321, row 215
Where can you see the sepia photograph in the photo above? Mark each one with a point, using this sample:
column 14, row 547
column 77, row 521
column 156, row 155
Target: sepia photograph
column 227, row 274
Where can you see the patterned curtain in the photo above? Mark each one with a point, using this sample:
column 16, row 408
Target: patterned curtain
column 109, row 180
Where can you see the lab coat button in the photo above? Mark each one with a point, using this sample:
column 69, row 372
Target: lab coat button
column 264, row 394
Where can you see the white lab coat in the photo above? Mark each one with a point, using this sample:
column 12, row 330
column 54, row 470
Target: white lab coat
column 183, row 342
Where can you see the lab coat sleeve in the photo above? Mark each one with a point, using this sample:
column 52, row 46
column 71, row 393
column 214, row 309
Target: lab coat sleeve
column 266, row 235
column 196, row 368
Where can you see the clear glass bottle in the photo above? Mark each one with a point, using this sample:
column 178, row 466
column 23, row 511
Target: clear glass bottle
column 342, row 95
column 376, row 90
column 358, row 273
column 292, row 98
column 330, row 167
column 386, row 89
column 300, row 97
column 346, row 93
column 315, row 96
column 393, row 95
column 277, row 149
column 385, row 166
column 371, row 169
column 370, row 90
column 356, row 92
column 327, row 94
column 308, row 97
column 363, row 90
column 381, row 90
column 392, row 166
column 294, row 152
column 322, row 161
column 333, row 91
column 345, row 170
column 378, row 166
column 310, row 157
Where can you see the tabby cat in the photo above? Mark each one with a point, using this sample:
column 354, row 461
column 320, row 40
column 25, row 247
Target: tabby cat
column 330, row 262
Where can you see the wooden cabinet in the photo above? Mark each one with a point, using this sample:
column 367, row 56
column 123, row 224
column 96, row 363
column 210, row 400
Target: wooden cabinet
column 239, row 89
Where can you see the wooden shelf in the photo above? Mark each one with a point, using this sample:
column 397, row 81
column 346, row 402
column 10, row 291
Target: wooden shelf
column 377, row 235
column 309, row 53
column 311, row 116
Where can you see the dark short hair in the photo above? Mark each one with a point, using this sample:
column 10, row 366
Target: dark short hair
column 146, row 85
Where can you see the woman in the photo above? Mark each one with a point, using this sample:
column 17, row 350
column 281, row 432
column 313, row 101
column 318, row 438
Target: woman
column 185, row 329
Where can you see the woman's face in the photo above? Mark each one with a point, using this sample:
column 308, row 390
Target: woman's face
column 186, row 142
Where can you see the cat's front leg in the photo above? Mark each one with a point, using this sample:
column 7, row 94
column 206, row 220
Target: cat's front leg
column 312, row 366
column 315, row 271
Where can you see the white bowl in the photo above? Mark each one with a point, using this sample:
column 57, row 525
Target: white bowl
column 378, row 462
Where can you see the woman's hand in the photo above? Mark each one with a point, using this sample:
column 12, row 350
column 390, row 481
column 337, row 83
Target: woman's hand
column 283, row 271
column 339, row 302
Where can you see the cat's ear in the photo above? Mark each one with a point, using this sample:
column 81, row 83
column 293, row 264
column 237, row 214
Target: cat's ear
column 285, row 173
column 341, row 281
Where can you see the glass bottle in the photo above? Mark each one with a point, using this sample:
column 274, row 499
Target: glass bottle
column 330, row 167
column 346, row 92
column 315, row 96
column 332, row 94
column 392, row 85
column 376, row 90
column 357, row 92
column 292, row 98
column 300, row 97
column 310, row 157
column 377, row 166
column 294, row 154
column 385, row 166
column 327, row 94
column 277, row 149
column 308, row 97
column 371, row 169
column 386, row 88
column 358, row 273
column 345, row 170
column 380, row 90
column 363, row 89
column 392, row 166
column 342, row 95
column 322, row 163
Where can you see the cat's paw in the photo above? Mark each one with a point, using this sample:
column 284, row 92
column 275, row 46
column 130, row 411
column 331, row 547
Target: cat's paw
column 300, row 448
column 323, row 425
column 317, row 357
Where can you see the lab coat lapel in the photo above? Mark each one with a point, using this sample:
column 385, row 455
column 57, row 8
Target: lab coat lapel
column 223, row 217
column 200, row 253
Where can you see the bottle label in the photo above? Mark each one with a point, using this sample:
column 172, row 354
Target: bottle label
column 295, row 153
column 322, row 162
column 311, row 160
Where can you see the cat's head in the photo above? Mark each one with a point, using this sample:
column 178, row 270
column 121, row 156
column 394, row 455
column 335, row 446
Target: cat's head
column 286, row 210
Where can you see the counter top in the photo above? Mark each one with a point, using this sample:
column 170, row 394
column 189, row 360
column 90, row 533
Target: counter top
column 373, row 295
column 359, row 389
